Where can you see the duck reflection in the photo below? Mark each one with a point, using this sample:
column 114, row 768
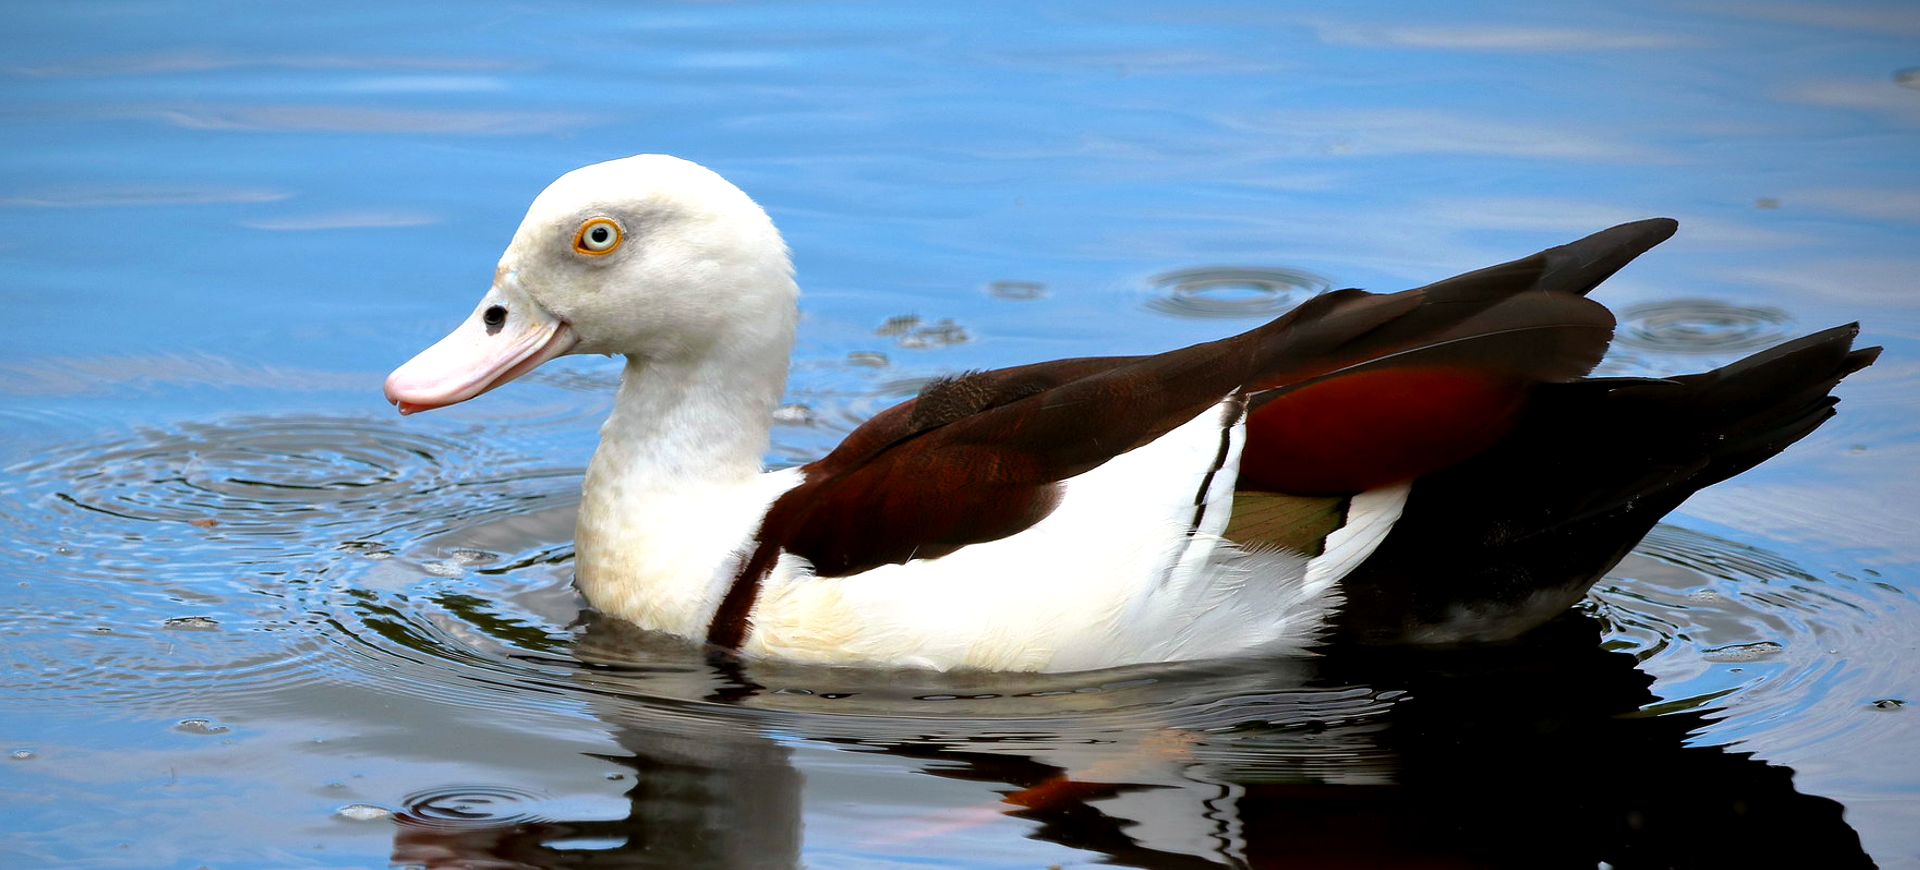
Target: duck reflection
column 1535, row 754
column 701, row 796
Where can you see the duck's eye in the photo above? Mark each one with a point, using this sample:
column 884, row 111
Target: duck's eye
column 597, row 237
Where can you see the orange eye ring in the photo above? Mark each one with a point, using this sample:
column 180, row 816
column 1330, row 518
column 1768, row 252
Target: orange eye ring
column 597, row 237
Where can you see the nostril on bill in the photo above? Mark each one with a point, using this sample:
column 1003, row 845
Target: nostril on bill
column 495, row 317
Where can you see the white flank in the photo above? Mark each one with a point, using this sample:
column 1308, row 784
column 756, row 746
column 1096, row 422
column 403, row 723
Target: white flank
column 1111, row 577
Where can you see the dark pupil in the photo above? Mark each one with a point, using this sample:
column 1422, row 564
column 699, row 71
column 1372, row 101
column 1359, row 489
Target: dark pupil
column 494, row 317
column 599, row 235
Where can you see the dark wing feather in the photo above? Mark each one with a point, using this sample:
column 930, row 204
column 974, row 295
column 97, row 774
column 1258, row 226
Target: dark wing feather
column 1575, row 267
column 1452, row 390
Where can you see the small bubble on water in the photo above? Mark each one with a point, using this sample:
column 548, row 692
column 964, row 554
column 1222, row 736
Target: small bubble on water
column 200, row 726
column 22, row 754
column 441, row 569
column 1742, row 652
column 794, row 414
column 942, row 333
column 899, row 324
column 472, row 557
column 1016, row 289
column 616, row 777
column 363, row 812
column 1889, row 704
column 192, row 623
column 369, row 549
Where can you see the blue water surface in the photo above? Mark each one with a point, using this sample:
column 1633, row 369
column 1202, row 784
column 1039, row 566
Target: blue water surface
column 250, row 618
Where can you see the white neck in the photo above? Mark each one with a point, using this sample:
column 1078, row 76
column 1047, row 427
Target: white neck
column 675, row 488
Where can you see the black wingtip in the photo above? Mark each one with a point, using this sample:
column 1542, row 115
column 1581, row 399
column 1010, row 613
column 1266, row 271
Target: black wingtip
column 1860, row 359
column 1857, row 358
column 1578, row 267
column 1574, row 268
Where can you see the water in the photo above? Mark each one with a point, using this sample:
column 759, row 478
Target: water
column 254, row 619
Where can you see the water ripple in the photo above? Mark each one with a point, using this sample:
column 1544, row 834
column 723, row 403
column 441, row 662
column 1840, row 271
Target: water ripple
column 1231, row 291
column 59, row 659
column 319, row 480
column 1701, row 326
column 473, row 806
column 1734, row 628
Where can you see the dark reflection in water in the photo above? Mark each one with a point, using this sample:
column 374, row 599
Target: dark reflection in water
column 702, row 796
column 1533, row 755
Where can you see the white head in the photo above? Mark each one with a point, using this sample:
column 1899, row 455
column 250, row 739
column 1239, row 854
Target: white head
column 649, row 256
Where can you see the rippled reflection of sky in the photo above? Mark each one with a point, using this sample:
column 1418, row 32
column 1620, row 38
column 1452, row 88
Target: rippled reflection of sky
column 316, row 192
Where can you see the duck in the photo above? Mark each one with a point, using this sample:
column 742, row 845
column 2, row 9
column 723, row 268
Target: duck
column 1429, row 467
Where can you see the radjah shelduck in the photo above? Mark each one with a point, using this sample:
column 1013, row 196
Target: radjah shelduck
column 1424, row 467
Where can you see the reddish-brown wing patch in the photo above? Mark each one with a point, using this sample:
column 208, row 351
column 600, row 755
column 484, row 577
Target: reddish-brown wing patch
column 1372, row 428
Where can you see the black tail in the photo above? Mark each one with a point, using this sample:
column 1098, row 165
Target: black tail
column 1761, row 404
column 1494, row 546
